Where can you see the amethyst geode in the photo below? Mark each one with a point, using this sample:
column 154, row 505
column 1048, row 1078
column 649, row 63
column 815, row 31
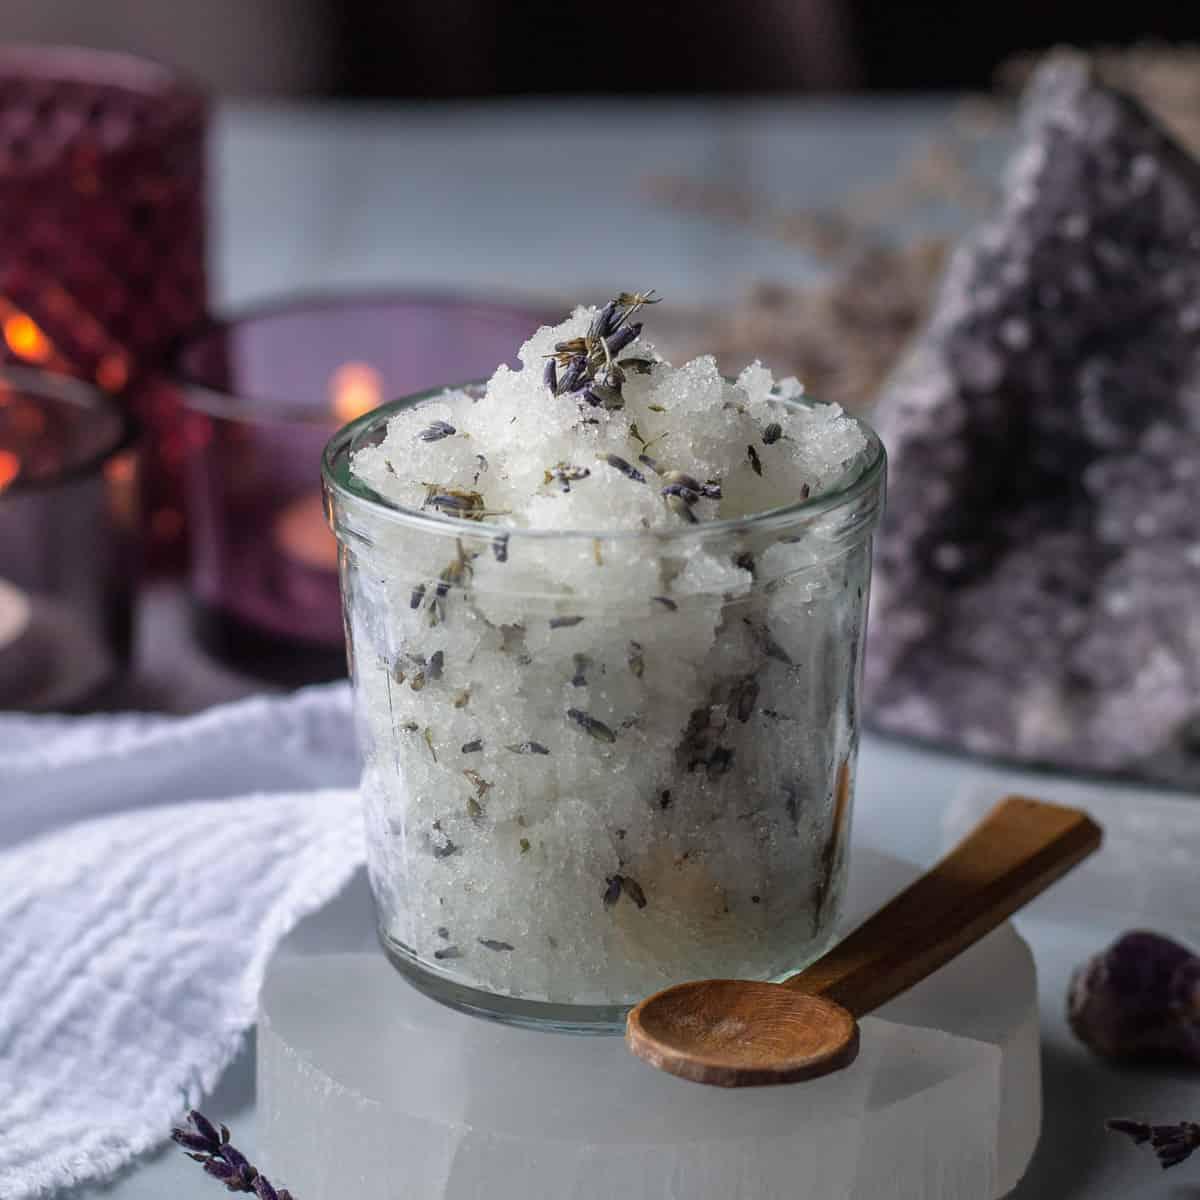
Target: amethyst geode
column 1038, row 589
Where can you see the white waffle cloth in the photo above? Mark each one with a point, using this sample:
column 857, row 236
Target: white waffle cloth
column 148, row 868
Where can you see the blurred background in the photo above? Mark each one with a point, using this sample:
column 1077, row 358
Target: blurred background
column 474, row 48
column 233, row 226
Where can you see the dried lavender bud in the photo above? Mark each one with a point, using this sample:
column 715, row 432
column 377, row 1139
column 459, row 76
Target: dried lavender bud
column 564, row 622
column 605, row 321
column 1139, row 998
column 223, row 1161
column 418, row 595
column 664, row 800
column 666, row 602
column 1172, row 1143
column 228, row 1174
column 550, row 376
column 443, row 932
column 500, row 547
column 637, row 664
column 710, row 489
column 634, row 891
column 755, row 461
column 682, row 491
column 437, row 661
column 193, row 1141
column 591, row 726
column 454, row 502
column 570, row 379
column 472, row 747
column 590, row 397
column 623, row 337
column 582, row 663
column 436, row 431
column 619, row 464
column 772, row 433
column 527, row 748
column 647, row 461
column 565, row 474
column 745, row 560
column 447, row 952
column 492, row 944
column 612, row 890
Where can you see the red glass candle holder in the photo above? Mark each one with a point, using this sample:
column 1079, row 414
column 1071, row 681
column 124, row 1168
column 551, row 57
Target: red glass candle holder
column 102, row 236
column 69, row 541
column 264, row 392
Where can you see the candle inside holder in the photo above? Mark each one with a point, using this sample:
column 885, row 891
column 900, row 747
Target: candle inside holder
column 264, row 392
column 102, row 263
column 68, row 542
column 302, row 533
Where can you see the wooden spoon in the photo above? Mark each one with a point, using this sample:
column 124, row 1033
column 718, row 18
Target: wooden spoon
column 737, row 1033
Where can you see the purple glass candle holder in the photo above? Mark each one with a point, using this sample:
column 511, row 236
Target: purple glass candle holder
column 102, row 236
column 69, row 541
column 264, row 392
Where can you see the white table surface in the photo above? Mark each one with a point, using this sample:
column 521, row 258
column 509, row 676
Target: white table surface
column 535, row 197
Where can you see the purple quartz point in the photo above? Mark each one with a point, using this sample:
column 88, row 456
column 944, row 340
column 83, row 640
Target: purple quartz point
column 1039, row 564
column 1140, row 998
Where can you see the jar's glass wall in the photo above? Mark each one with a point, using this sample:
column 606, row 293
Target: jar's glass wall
column 596, row 767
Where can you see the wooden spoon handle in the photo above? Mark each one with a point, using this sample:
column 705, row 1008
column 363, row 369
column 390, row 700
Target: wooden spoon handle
column 1015, row 853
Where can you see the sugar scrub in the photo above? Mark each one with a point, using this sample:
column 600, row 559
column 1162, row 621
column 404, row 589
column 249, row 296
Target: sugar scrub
column 605, row 618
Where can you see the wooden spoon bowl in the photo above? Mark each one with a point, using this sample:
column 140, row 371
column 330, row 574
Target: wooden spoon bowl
column 740, row 1033
column 744, row 1033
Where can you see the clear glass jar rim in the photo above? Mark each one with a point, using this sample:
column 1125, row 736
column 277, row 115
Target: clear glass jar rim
column 262, row 407
column 84, row 396
column 356, row 493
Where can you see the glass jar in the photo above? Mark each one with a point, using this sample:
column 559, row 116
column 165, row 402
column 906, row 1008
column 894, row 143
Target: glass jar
column 597, row 764
column 70, row 542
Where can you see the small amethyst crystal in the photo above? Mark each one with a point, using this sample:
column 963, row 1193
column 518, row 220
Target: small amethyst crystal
column 1140, row 998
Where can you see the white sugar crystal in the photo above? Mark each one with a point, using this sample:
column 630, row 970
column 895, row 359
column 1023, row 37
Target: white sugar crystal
column 598, row 765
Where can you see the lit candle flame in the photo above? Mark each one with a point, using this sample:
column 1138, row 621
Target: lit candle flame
column 10, row 468
column 25, row 339
column 355, row 388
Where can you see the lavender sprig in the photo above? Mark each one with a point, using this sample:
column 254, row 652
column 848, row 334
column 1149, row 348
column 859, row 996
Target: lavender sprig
column 1172, row 1143
column 587, row 365
column 223, row 1161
